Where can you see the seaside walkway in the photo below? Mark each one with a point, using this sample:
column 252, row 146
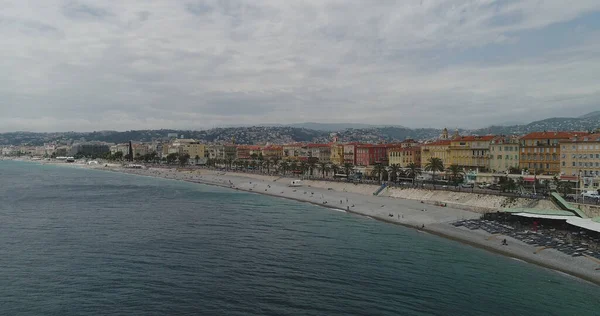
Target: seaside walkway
column 381, row 188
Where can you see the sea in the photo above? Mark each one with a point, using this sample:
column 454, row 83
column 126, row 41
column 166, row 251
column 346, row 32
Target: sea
column 85, row 242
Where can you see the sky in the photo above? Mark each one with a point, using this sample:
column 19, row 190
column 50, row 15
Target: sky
column 149, row 64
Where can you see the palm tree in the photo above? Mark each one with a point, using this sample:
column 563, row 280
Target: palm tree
column 455, row 173
column 183, row 159
column 412, row 171
column 267, row 164
column 311, row 165
column 294, row 167
column 196, row 159
column 434, row 164
column 324, row 167
column 334, row 168
column 284, row 166
column 393, row 171
column 303, row 167
column 378, row 170
column 348, row 168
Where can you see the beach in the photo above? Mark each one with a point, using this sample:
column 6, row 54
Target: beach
column 358, row 199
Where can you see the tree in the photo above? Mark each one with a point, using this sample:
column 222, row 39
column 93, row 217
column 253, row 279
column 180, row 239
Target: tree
column 412, row 171
column 118, row 155
column 254, row 156
column 393, row 172
column 324, row 167
column 514, row 170
column 303, row 167
column 184, row 159
column 378, row 170
column 284, row 166
column 334, row 168
column 172, row 157
column 267, row 164
column 434, row 164
column 196, row 159
column 311, row 165
column 348, row 169
column 455, row 173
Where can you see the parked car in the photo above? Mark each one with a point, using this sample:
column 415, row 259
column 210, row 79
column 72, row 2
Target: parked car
column 467, row 185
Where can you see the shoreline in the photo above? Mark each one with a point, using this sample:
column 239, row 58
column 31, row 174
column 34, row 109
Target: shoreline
column 436, row 220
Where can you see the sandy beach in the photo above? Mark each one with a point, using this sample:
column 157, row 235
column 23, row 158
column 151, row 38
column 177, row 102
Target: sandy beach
column 360, row 200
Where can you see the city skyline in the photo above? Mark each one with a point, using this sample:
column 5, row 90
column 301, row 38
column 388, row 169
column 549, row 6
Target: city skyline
column 84, row 65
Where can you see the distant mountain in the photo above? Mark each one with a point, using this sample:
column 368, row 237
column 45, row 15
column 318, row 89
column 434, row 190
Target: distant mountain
column 318, row 132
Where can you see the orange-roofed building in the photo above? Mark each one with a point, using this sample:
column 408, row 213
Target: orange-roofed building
column 369, row 155
column 246, row 151
column 438, row 149
column 319, row 152
column 471, row 152
column 292, row 152
column 540, row 151
column 272, row 152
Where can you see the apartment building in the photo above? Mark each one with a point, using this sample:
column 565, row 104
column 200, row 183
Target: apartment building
column 580, row 160
column 369, row 155
column 470, row 152
column 504, row 153
column 438, row 149
column 541, row 151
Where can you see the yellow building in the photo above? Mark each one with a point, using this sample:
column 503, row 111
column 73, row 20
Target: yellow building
column 272, row 152
column 194, row 150
column 438, row 149
column 580, row 160
column 470, row 152
column 337, row 154
column 292, row 151
column 504, row 153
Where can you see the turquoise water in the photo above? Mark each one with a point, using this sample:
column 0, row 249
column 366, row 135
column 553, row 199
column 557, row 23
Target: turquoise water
column 82, row 242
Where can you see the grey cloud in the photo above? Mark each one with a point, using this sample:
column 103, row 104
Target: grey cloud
column 164, row 64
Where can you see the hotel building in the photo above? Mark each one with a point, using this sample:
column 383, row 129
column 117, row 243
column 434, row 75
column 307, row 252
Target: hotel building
column 580, row 160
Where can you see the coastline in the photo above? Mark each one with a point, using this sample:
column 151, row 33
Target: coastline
column 408, row 213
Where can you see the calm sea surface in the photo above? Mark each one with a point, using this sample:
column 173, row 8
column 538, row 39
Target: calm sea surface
column 82, row 242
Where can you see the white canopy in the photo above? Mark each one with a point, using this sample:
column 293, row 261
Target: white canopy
column 584, row 223
column 562, row 217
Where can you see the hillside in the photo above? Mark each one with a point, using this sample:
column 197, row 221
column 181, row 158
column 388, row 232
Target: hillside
column 288, row 134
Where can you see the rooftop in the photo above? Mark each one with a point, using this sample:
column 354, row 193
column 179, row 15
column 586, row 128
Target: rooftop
column 552, row 135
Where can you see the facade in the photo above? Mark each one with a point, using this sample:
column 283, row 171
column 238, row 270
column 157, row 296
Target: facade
column 223, row 152
column 337, row 154
column 292, row 152
column 194, row 150
column 580, row 160
column 139, row 150
column 470, row 152
column 246, row 151
column 319, row 152
column 369, row 155
column 504, row 153
column 540, row 151
column 350, row 153
column 272, row 152
column 404, row 156
column 438, row 149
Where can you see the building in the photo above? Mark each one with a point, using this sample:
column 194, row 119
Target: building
column 221, row 152
column 404, row 156
column 337, row 154
column 91, row 149
column 123, row 148
column 194, row 150
column 470, row 152
column 272, row 152
column 350, row 153
column 292, row 151
column 540, row 151
column 319, row 152
column 438, row 149
column 504, row 153
column 369, row 154
column 580, row 160
column 139, row 150
column 246, row 151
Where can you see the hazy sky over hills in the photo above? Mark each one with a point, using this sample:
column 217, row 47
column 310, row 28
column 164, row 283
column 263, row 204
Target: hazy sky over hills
column 96, row 65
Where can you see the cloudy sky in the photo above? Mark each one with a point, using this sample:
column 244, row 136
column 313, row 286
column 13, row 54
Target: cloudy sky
column 96, row 65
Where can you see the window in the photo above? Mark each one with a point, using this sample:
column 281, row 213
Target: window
column 573, row 163
column 547, row 166
column 564, row 164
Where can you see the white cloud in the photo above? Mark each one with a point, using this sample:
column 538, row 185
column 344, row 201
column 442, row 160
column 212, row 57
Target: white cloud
column 89, row 65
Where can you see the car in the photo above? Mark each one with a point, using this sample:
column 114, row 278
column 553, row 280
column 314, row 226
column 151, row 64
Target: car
column 467, row 185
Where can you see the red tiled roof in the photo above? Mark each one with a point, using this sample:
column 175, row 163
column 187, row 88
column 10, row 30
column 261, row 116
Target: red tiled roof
column 317, row 145
column 585, row 138
column 552, row 135
column 438, row 143
column 474, row 138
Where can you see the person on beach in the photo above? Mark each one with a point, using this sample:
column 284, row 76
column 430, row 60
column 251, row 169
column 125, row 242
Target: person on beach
column 504, row 243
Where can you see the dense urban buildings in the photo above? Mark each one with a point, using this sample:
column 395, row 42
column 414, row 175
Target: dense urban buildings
column 569, row 156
